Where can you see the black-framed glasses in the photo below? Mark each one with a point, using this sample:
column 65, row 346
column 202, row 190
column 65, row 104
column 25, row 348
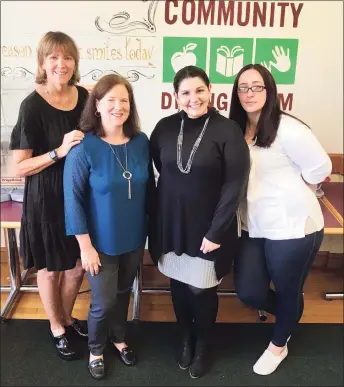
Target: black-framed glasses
column 254, row 89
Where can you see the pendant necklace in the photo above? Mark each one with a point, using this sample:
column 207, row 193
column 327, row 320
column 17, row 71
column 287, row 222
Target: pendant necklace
column 126, row 174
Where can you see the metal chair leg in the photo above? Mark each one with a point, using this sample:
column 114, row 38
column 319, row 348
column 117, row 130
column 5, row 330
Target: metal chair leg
column 15, row 279
column 137, row 289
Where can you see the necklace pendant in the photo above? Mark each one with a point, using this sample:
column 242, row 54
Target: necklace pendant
column 127, row 175
column 129, row 189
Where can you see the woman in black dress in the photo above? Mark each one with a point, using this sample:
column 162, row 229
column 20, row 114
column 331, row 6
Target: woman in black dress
column 45, row 132
column 203, row 161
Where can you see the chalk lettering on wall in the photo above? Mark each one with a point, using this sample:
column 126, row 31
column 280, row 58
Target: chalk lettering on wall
column 122, row 22
column 103, row 53
column 138, row 52
column 16, row 51
column 129, row 49
column 233, row 13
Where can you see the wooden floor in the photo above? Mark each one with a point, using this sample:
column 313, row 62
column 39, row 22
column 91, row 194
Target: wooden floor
column 159, row 307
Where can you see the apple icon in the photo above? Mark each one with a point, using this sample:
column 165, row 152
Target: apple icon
column 185, row 58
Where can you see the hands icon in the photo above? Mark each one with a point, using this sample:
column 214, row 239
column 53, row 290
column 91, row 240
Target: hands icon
column 282, row 59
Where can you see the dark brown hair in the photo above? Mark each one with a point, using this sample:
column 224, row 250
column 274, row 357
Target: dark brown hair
column 270, row 116
column 89, row 122
column 189, row 72
column 48, row 43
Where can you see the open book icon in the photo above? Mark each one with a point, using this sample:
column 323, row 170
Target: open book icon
column 229, row 61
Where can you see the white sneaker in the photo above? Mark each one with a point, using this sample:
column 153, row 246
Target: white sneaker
column 268, row 362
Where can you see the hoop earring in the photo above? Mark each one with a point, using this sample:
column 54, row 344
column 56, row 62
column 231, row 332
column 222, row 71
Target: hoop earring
column 97, row 115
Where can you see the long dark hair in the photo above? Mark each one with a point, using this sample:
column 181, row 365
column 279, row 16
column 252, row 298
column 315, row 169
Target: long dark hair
column 270, row 115
column 89, row 122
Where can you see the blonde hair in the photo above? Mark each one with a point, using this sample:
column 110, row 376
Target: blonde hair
column 48, row 43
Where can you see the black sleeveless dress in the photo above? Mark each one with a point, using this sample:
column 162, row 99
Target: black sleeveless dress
column 43, row 240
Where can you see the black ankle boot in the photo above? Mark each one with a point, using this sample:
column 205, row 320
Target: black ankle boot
column 185, row 352
column 199, row 364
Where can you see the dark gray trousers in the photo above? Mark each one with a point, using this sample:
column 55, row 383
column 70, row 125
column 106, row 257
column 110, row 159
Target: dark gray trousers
column 110, row 297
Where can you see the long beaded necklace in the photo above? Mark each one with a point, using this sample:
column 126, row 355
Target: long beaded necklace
column 194, row 148
column 126, row 174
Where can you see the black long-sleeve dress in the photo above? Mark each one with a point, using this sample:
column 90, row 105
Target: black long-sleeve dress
column 202, row 203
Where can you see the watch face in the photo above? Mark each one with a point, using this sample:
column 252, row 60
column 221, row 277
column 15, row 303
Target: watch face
column 53, row 155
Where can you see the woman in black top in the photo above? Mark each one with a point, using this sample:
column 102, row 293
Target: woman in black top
column 45, row 132
column 203, row 162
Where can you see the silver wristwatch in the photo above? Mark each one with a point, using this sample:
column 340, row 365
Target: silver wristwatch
column 53, row 155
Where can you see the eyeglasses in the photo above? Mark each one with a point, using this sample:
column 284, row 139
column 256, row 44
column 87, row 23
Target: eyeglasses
column 254, row 89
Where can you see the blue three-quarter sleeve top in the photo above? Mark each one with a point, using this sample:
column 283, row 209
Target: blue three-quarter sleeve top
column 96, row 193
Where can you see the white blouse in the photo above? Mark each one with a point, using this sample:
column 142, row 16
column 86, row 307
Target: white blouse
column 279, row 202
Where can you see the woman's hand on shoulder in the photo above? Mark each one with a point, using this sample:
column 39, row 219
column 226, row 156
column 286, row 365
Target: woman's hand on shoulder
column 69, row 141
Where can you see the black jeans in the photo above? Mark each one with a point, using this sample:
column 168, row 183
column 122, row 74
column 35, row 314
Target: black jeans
column 284, row 262
column 195, row 309
column 110, row 297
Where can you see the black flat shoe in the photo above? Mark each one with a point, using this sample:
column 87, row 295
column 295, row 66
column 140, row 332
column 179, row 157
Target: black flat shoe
column 78, row 327
column 126, row 355
column 63, row 347
column 96, row 368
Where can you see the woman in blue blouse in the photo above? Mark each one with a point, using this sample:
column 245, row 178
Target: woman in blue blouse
column 105, row 182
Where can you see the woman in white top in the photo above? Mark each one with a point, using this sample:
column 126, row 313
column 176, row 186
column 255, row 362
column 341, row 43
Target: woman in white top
column 282, row 219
